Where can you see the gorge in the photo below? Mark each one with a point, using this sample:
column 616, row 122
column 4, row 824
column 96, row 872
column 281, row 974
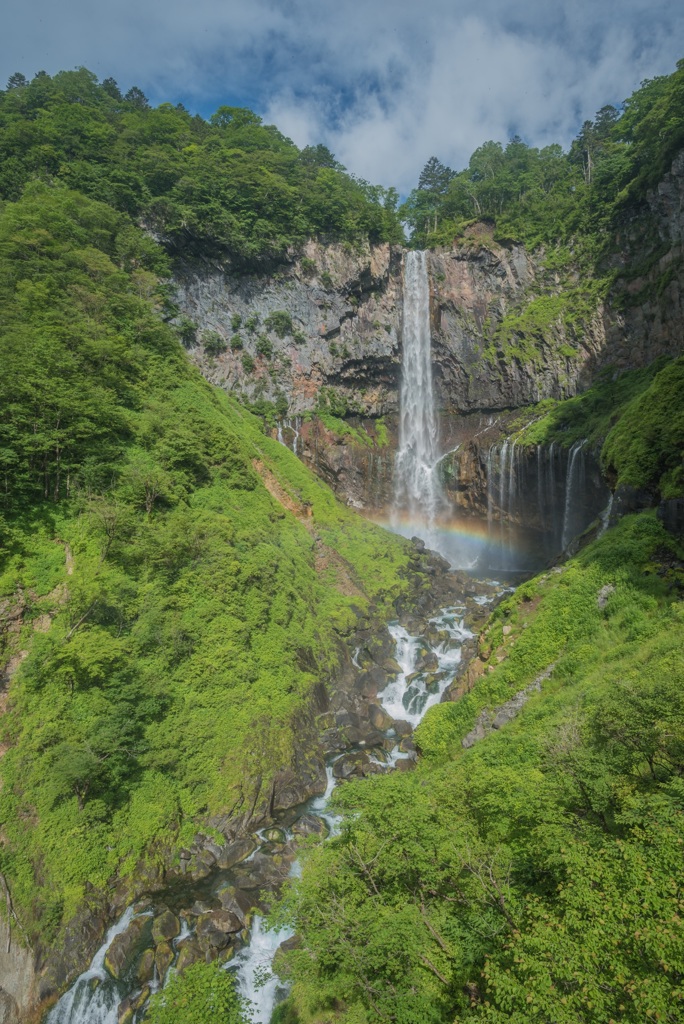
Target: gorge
column 341, row 574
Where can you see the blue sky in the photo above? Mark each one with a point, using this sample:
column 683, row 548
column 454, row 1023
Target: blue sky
column 383, row 84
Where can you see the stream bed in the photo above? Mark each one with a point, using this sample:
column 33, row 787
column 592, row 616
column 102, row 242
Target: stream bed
column 428, row 664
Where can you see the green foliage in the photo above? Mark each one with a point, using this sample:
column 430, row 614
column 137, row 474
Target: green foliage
column 248, row 363
column 545, row 197
column 646, row 446
column 280, row 322
column 308, row 266
column 213, row 343
column 252, row 323
column 536, row 876
column 235, row 322
column 187, row 332
column 231, row 187
column 202, row 994
column 178, row 601
column 636, row 419
column 236, row 343
column 264, row 346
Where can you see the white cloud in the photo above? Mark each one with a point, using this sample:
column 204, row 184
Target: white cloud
column 384, row 84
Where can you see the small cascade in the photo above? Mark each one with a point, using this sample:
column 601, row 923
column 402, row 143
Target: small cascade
column 538, row 499
column 407, row 697
column 573, row 483
column 252, row 965
column 94, row 997
column 294, row 426
column 417, row 487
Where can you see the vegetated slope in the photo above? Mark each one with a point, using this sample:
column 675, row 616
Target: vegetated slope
column 546, row 196
column 230, row 188
column 635, row 419
column 537, row 876
column 164, row 616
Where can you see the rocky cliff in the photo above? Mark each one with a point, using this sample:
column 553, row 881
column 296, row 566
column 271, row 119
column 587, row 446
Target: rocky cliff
column 321, row 338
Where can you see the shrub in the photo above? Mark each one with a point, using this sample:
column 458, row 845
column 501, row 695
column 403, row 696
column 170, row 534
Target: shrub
column 236, row 342
column 308, row 266
column 247, row 363
column 280, row 322
column 252, row 323
column 264, row 346
column 187, row 332
column 236, row 322
column 213, row 343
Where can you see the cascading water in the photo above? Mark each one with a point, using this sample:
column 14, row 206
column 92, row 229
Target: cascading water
column 417, row 492
column 573, row 482
column 94, row 997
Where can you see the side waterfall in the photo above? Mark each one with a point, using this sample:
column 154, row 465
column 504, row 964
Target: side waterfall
column 552, row 492
column 417, row 492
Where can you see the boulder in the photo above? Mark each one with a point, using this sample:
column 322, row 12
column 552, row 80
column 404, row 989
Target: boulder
column 235, row 853
column 189, row 952
column 379, row 718
column 145, row 970
column 310, row 825
column 165, row 927
column 274, row 835
column 163, row 958
column 129, row 1007
column 123, row 948
column 239, row 903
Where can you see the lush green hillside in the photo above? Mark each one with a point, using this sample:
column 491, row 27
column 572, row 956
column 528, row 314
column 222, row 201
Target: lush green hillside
column 231, row 187
column 165, row 613
column 538, row 875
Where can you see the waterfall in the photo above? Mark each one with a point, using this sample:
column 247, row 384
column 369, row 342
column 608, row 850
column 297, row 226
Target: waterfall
column 417, row 489
column 573, row 481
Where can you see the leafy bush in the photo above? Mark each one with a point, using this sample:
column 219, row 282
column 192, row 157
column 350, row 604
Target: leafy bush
column 236, row 343
column 248, row 363
column 202, row 994
column 214, row 344
column 280, row 322
column 264, row 346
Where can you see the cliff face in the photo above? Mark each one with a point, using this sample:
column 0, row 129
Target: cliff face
column 344, row 304
column 508, row 330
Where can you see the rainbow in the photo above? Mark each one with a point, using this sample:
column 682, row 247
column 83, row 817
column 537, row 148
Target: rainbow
column 463, row 541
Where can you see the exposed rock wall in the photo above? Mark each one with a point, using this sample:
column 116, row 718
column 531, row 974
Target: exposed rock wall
column 345, row 305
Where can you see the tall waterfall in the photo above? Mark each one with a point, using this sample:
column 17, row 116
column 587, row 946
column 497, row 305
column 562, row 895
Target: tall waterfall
column 417, row 491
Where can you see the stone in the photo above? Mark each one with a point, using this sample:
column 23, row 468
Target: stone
column 163, row 958
column 123, row 948
column 235, row 853
column 603, row 595
column 238, row 902
column 145, row 970
column 214, row 930
column 165, row 927
column 274, row 835
column 189, row 952
column 379, row 718
column 310, row 825
column 507, row 630
column 9, row 1011
column 130, row 1006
